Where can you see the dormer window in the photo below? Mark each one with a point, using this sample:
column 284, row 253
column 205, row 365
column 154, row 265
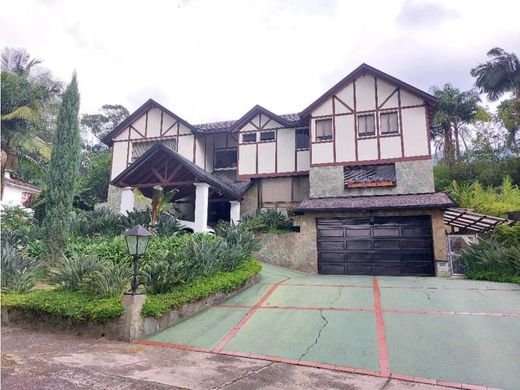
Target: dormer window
column 249, row 137
column 388, row 123
column 366, row 125
column 323, row 129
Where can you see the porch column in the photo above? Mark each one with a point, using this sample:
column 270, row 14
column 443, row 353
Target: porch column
column 234, row 213
column 127, row 200
column 201, row 206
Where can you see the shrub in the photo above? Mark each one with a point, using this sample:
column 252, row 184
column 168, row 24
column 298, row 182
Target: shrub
column 18, row 225
column 107, row 279
column 200, row 288
column 508, row 235
column 106, row 248
column 491, row 257
column 268, row 221
column 71, row 272
column 165, row 272
column 240, row 243
column 18, row 272
column 99, row 222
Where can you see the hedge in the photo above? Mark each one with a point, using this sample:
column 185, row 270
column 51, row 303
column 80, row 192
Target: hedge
column 199, row 288
column 81, row 307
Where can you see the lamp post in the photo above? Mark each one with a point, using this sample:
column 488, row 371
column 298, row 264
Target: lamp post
column 136, row 240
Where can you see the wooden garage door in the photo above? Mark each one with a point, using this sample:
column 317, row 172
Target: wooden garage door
column 375, row 246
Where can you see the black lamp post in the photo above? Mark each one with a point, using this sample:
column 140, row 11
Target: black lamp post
column 136, row 240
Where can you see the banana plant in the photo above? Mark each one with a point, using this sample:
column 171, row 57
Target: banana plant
column 161, row 202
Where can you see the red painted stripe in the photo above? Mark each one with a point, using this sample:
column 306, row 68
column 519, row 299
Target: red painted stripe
column 326, row 285
column 312, row 364
column 246, row 318
column 457, row 313
column 402, row 287
column 384, row 365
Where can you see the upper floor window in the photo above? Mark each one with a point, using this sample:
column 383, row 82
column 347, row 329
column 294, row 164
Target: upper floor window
column 225, row 159
column 249, row 137
column 323, row 129
column 302, row 139
column 389, row 124
column 267, row 136
column 140, row 148
column 366, row 125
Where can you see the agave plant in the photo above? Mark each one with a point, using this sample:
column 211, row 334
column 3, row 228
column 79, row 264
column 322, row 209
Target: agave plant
column 18, row 272
column 107, row 280
column 71, row 272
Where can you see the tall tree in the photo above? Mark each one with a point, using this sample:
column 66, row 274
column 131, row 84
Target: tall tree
column 63, row 172
column 109, row 117
column 455, row 111
column 496, row 77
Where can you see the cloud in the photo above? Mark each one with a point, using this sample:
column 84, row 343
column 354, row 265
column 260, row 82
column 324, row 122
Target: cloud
column 421, row 14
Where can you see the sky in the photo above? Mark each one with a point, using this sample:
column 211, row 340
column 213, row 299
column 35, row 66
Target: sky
column 213, row 60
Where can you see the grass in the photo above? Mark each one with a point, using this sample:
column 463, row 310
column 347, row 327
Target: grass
column 82, row 307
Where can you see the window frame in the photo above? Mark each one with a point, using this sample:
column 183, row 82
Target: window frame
column 225, row 168
column 367, row 135
column 306, row 132
column 390, row 133
column 244, row 135
column 324, row 138
column 152, row 143
column 269, row 139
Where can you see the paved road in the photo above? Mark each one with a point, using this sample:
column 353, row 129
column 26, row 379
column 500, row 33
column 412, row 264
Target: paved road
column 34, row 361
column 428, row 330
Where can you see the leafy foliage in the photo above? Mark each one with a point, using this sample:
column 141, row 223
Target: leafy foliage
column 63, row 173
column 18, row 272
column 71, row 272
column 99, row 222
column 508, row 235
column 487, row 200
column 160, row 203
column 66, row 304
column 18, row 225
column 268, row 221
column 200, row 288
column 108, row 279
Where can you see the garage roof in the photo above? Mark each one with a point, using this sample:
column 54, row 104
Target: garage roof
column 437, row 200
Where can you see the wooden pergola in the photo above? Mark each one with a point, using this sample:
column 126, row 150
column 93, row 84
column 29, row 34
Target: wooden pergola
column 468, row 219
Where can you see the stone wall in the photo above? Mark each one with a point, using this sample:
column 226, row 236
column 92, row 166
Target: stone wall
column 412, row 177
column 299, row 250
column 249, row 204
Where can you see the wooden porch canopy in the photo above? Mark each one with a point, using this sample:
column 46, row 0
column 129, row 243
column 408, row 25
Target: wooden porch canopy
column 468, row 219
column 162, row 166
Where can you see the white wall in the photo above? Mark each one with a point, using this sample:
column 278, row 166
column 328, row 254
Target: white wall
column 13, row 195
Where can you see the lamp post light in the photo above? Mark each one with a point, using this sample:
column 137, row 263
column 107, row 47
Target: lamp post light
column 136, row 240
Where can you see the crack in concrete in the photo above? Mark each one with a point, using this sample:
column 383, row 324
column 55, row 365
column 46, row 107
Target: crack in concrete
column 386, row 384
column 325, row 323
column 246, row 375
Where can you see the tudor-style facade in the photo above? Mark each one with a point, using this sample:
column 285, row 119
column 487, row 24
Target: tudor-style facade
column 348, row 159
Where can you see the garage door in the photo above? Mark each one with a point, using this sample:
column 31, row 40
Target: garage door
column 375, row 246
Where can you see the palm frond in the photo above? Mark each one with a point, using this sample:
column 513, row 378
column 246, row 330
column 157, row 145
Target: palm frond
column 21, row 113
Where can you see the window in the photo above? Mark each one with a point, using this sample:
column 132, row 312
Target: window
column 324, row 129
column 302, row 139
column 388, row 123
column 225, row 159
column 140, row 148
column 267, row 136
column 366, row 125
column 249, row 137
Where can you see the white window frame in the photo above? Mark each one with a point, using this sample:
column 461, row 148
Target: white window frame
column 372, row 134
column 387, row 134
column 323, row 138
column 267, row 140
column 249, row 133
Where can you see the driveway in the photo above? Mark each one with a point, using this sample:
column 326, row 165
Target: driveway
column 456, row 333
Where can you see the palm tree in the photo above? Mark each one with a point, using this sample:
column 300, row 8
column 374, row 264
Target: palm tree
column 455, row 111
column 496, row 77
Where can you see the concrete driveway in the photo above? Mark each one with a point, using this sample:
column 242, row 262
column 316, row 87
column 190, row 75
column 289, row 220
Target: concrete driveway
column 455, row 333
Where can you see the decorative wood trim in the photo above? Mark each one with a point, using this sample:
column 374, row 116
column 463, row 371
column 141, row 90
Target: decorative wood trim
column 176, row 123
column 334, row 129
column 369, row 111
column 371, row 162
column 161, row 128
column 376, row 124
column 428, row 135
column 388, row 98
column 266, row 123
column 146, row 124
column 194, row 150
column 355, row 119
column 386, row 183
column 265, row 175
column 343, row 103
column 128, row 148
column 137, row 131
column 169, row 137
column 400, row 120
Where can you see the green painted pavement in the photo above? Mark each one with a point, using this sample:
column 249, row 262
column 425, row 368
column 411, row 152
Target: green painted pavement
column 333, row 280
column 347, row 339
column 451, row 300
column 306, row 296
column 429, row 282
column 468, row 349
column 205, row 329
column 250, row 296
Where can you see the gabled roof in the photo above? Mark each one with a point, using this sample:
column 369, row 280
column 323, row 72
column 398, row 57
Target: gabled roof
column 21, row 184
column 141, row 169
column 364, row 69
column 149, row 104
column 258, row 109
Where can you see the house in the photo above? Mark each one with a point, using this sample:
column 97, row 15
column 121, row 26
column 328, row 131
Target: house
column 355, row 167
column 17, row 192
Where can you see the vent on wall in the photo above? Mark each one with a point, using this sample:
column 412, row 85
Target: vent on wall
column 382, row 175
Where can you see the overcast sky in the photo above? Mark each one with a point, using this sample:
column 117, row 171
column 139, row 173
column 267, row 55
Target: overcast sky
column 213, row 60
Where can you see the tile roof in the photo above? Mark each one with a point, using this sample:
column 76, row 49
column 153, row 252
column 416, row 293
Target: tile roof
column 20, row 183
column 229, row 177
column 437, row 200
column 223, row 126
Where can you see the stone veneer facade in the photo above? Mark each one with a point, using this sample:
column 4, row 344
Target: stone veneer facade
column 412, row 177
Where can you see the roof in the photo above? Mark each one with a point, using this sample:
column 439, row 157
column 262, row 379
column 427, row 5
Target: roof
column 359, row 71
column 161, row 154
column 149, row 104
column 437, row 200
column 468, row 219
column 20, row 183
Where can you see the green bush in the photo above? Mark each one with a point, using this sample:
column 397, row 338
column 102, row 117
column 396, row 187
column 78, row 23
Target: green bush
column 71, row 272
column 18, row 225
column 200, row 288
column 18, row 272
column 99, row 222
column 491, row 258
column 106, row 280
column 66, row 304
column 508, row 235
column 268, row 221
column 240, row 243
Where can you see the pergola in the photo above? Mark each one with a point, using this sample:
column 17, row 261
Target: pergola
column 468, row 219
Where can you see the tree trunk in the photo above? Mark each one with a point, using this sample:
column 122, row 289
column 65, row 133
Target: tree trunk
column 449, row 155
column 457, row 144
